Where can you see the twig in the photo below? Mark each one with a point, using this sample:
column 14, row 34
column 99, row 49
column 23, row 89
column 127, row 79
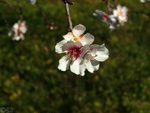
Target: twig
column 67, row 2
column 20, row 8
column 114, row 2
column 68, row 17
column 108, row 8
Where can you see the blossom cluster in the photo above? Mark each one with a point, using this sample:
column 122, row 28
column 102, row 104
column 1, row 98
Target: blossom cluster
column 18, row 31
column 114, row 17
column 81, row 54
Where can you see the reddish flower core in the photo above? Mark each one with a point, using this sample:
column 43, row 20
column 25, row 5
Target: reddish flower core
column 105, row 16
column 74, row 52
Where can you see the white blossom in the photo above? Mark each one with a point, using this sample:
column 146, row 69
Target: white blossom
column 77, row 35
column 101, row 16
column 110, row 20
column 79, row 52
column 121, row 14
column 97, row 53
column 74, row 56
column 18, row 31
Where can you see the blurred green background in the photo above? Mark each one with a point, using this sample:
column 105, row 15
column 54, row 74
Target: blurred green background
column 31, row 83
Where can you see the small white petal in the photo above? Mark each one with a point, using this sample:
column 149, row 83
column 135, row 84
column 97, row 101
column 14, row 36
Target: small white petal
column 23, row 27
column 64, row 63
column 78, row 67
column 78, row 30
column 92, row 65
column 115, row 12
column 16, row 26
column 68, row 36
column 84, row 50
column 70, row 44
column 16, row 38
column 10, row 33
column 87, row 39
column 102, row 53
column 58, row 47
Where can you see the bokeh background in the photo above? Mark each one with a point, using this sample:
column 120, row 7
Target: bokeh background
column 31, row 83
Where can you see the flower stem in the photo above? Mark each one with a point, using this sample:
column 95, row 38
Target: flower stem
column 68, row 17
column 108, row 8
column 20, row 9
column 114, row 2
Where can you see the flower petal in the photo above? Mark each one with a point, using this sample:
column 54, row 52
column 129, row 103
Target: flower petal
column 92, row 65
column 78, row 30
column 102, row 53
column 78, row 67
column 68, row 36
column 64, row 63
column 87, row 39
column 15, row 27
column 58, row 47
column 23, row 28
column 70, row 44
column 84, row 50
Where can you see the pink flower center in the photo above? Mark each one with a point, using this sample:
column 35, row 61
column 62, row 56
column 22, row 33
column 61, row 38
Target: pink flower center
column 20, row 25
column 74, row 52
column 120, row 13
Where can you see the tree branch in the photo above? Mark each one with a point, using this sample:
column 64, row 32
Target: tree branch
column 67, row 3
column 108, row 8
column 68, row 17
column 20, row 8
column 114, row 2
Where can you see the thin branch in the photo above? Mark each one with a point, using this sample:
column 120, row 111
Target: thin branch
column 67, row 3
column 20, row 8
column 68, row 17
column 108, row 8
column 114, row 2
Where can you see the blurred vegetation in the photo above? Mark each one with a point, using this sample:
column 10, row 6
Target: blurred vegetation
column 31, row 83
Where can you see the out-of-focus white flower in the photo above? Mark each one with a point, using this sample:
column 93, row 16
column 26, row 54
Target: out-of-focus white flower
column 97, row 53
column 32, row 1
column 77, row 35
column 143, row 1
column 111, row 20
column 101, row 16
column 121, row 14
column 73, row 58
column 18, row 31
